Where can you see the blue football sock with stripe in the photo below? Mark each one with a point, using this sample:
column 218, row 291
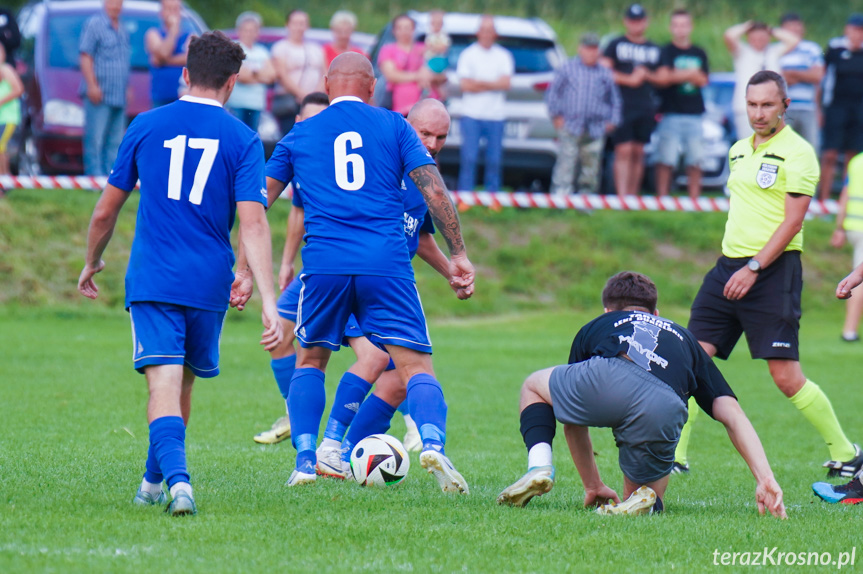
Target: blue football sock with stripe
column 373, row 417
column 283, row 370
column 428, row 410
column 350, row 394
column 168, row 440
column 306, row 401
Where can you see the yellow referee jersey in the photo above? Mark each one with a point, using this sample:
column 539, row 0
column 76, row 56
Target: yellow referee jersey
column 854, row 207
column 758, row 182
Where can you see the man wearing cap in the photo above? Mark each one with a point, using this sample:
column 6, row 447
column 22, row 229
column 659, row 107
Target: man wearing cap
column 633, row 60
column 803, row 70
column 584, row 104
column 843, row 94
column 682, row 73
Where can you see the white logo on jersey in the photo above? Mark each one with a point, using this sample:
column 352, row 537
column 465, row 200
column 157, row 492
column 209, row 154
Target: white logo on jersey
column 411, row 224
column 642, row 344
column 353, row 407
column 264, row 191
column 766, row 175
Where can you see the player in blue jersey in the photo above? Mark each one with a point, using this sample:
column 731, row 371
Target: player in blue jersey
column 283, row 357
column 197, row 165
column 351, row 159
column 431, row 121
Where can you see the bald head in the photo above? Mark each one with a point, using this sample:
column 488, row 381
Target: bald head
column 350, row 74
column 430, row 120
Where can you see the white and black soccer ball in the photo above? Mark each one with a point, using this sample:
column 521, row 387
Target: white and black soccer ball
column 379, row 460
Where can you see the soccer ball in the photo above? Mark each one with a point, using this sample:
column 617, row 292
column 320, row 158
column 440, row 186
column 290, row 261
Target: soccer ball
column 379, row 460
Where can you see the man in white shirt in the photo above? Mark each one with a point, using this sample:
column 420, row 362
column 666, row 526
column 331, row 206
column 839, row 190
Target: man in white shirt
column 484, row 71
column 756, row 54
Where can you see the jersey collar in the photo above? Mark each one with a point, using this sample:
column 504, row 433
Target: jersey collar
column 346, row 99
column 197, row 100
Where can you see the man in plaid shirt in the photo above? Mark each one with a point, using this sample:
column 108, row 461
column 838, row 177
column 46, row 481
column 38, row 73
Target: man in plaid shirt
column 584, row 104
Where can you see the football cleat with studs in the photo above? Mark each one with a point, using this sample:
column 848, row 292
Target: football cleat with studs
column 536, row 482
column 641, row 501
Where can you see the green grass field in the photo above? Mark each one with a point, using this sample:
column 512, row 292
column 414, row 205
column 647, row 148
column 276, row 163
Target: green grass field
column 74, row 438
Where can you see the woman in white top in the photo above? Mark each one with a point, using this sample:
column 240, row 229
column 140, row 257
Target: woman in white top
column 299, row 69
column 751, row 56
column 249, row 97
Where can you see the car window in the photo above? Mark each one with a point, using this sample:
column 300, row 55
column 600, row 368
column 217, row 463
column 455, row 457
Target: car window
column 531, row 55
column 64, row 33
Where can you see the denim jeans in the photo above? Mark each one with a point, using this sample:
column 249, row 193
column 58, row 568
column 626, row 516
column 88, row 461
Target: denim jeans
column 472, row 130
column 104, row 127
column 249, row 117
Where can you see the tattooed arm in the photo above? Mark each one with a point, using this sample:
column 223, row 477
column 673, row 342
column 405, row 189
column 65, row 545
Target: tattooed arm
column 445, row 216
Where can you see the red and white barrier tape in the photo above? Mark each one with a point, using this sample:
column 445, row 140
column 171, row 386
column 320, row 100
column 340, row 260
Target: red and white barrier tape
column 472, row 198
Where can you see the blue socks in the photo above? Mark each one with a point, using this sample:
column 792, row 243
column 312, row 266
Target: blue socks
column 428, row 410
column 168, row 445
column 152, row 472
column 283, row 370
column 306, row 402
column 373, row 418
column 403, row 408
column 350, row 394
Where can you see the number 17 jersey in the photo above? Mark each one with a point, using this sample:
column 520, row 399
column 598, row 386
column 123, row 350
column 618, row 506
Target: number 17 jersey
column 195, row 161
column 350, row 160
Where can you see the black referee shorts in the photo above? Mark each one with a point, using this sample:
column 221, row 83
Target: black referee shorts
column 769, row 314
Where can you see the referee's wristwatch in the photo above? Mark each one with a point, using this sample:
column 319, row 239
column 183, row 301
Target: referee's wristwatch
column 754, row 266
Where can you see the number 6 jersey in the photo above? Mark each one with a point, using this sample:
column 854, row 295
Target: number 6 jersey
column 350, row 160
column 194, row 161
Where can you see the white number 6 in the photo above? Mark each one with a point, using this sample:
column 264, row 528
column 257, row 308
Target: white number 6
column 343, row 159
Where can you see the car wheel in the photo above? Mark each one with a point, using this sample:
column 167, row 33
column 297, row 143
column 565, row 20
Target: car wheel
column 28, row 155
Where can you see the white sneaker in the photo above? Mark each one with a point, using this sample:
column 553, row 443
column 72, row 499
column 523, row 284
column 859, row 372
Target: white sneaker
column 536, row 482
column 639, row 502
column 412, row 441
column 280, row 430
column 330, row 462
column 447, row 476
column 298, row 478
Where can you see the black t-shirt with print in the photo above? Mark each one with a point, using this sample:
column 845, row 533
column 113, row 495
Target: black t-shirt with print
column 682, row 98
column 659, row 346
column 625, row 55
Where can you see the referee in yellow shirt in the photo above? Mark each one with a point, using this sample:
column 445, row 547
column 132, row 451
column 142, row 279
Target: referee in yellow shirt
column 755, row 286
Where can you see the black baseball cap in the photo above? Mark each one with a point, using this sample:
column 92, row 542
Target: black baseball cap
column 855, row 20
column 635, row 12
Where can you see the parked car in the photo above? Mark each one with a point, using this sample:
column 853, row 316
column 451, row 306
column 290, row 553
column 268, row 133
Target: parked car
column 529, row 146
column 268, row 127
column 53, row 114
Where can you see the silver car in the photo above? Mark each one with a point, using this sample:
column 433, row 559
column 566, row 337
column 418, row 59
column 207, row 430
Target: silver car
column 529, row 145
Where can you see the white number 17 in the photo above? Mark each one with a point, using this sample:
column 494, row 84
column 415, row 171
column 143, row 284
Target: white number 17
column 175, row 169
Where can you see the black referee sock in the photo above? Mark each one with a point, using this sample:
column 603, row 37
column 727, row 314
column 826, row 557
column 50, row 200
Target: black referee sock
column 538, row 424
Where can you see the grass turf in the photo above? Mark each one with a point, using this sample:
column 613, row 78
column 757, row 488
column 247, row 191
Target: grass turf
column 74, row 439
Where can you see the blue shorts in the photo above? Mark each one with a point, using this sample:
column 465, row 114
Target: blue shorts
column 168, row 334
column 388, row 311
column 288, row 300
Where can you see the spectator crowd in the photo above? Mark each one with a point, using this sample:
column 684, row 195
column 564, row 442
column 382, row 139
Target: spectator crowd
column 612, row 94
column 661, row 89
